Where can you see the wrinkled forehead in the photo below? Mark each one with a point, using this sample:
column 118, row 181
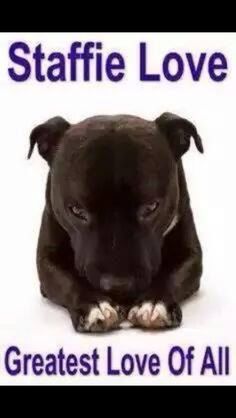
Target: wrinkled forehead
column 113, row 160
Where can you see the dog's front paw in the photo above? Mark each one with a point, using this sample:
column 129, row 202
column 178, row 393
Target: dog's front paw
column 100, row 317
column 155, row 315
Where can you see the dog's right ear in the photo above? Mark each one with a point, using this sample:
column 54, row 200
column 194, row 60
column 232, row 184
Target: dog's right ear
column 178, row 132
column 47, row 136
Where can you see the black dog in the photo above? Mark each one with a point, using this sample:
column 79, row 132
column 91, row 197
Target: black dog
column 117, row 238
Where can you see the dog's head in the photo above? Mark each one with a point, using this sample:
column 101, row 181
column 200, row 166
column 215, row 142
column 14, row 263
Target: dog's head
column 114, row 189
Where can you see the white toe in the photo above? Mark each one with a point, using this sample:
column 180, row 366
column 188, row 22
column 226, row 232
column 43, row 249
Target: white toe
column 132, row 312
column 107, row 309
column 160, row 311
column 94, row 315
column 145, row 310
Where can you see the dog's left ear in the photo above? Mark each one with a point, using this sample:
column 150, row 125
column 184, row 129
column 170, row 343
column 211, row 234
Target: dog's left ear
column 178, row 132
column 47, row 136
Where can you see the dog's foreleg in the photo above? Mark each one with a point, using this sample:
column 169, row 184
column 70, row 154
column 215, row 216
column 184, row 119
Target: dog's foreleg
column 60, row 282
column 178, row 278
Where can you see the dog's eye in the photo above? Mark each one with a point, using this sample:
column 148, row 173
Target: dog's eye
column 80, row 213
column 145, row 211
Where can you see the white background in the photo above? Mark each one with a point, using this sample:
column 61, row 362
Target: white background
column 35, row 325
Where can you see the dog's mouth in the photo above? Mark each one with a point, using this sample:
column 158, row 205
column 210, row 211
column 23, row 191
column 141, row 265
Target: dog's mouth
column 122, row 289
column 119, row 288
column 118, row 285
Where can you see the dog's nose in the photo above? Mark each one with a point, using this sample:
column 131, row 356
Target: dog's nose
column 117, row 284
